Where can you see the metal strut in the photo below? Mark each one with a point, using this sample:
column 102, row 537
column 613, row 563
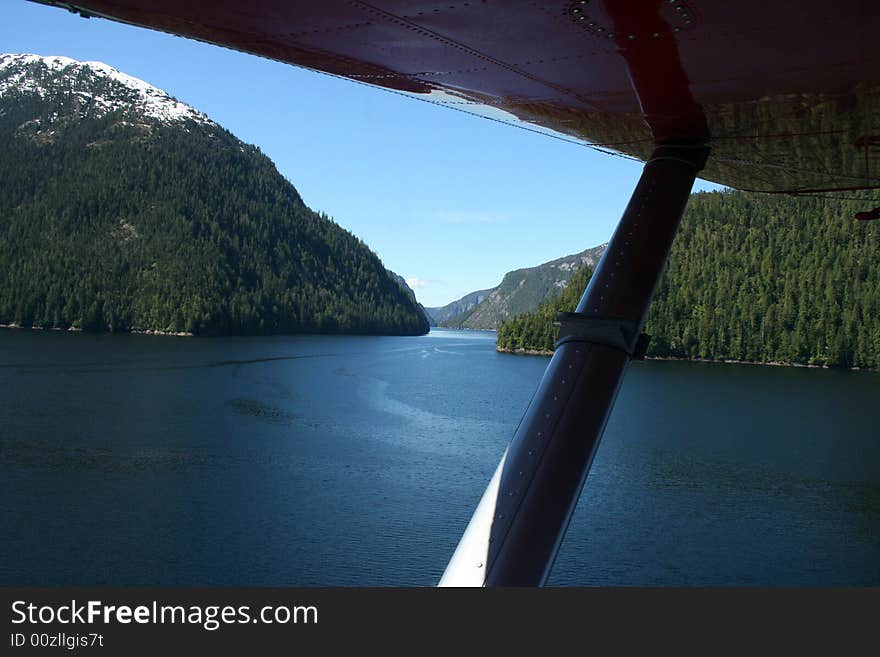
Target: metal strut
column 516, row 530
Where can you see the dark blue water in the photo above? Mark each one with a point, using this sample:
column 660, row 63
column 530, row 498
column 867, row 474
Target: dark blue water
column 358, row 461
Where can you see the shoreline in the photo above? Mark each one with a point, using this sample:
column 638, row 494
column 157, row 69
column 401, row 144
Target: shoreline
column 458, row 328
column 185, row 334
column 545, row 352
column 178, row 334
column 75, row 329
column 19, row 327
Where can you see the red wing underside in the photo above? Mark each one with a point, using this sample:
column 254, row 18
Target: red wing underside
column 786, row 93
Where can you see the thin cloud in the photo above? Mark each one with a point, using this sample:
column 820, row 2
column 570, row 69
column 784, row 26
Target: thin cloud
column 417, row 283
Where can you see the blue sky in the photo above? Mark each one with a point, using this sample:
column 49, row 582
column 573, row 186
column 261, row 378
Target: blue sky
column 448, row 200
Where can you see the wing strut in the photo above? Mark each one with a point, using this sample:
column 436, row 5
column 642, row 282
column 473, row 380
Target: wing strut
column 516, row 530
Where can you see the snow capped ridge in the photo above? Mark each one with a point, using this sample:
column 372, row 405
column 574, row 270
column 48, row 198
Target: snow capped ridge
column 34, row 73
column 56, row 62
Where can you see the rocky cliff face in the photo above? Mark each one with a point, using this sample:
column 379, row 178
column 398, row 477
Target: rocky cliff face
column 440, row 316
column 520, row 291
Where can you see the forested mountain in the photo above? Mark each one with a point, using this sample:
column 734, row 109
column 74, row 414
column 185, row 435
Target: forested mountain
column 123, row 209
column 758, row 278
column 520, row 291
column 534, row 331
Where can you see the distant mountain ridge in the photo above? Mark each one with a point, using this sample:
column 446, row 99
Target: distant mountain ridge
column 520, row 291
column 441, row 315
column 123, row 209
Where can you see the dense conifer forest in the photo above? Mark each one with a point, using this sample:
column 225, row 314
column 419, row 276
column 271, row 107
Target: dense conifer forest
column 758, row 278
column 117, row 222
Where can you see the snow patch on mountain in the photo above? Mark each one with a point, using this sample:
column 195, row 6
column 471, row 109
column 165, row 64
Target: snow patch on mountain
column 40, row 75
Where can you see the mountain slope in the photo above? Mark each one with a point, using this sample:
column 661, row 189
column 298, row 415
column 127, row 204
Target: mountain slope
column 760, row 279
column 124, row 209
column 771, row 279
column 534, row 332
column 410, row 293
column 522, row 290
column 441, row 315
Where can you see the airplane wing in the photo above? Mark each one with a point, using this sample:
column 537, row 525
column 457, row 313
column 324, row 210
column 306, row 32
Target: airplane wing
column 785, row 93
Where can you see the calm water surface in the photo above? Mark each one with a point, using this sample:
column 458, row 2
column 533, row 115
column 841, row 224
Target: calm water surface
column 136, row 460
